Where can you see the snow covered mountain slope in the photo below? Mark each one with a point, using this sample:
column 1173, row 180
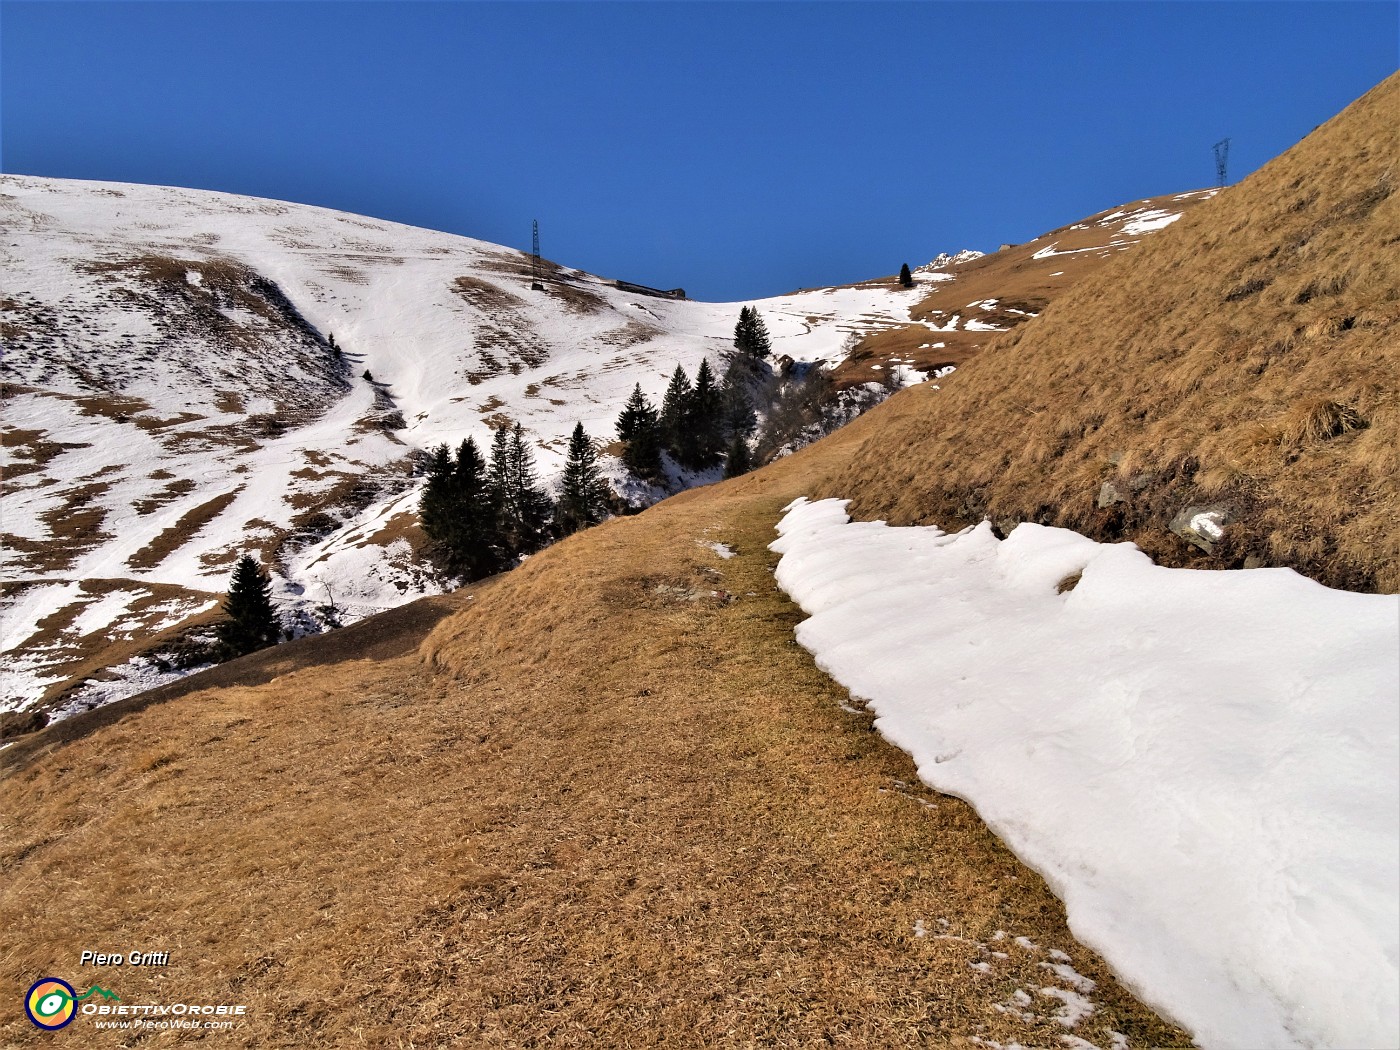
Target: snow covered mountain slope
column 188, row 375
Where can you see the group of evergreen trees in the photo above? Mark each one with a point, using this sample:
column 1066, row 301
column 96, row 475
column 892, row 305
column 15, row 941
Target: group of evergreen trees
column 699, row 424
column 482, row 516
column 703, row 423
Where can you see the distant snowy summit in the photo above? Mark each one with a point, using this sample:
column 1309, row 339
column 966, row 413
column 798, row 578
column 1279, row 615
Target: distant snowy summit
column 943, row 260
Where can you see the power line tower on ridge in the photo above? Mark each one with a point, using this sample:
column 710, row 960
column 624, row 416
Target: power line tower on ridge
column 535, row 284
column 1222, row 161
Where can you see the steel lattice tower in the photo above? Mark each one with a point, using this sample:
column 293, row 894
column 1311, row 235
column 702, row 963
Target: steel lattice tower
column 535, row 284
column 1222, row 161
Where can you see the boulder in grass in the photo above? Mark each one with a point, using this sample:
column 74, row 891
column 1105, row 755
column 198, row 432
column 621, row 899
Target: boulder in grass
column 1202, row 527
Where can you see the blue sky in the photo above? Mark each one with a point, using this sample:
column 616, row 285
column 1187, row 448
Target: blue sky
column 735, row 149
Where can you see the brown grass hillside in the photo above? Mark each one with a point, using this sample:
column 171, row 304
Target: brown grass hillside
column 1018, row 283
column 611, row 804
column 1247, row 356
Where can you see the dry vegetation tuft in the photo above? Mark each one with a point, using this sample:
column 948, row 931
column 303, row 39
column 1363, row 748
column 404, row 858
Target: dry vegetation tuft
column 1247, row 355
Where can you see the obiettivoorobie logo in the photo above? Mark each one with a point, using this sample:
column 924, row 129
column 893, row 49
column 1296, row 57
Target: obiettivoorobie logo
column 52, row 1003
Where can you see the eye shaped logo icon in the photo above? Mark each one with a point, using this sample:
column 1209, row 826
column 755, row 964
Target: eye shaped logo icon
column 50, row 1003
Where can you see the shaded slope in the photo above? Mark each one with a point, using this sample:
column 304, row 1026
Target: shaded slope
column 1246, row 357
column 613, row 804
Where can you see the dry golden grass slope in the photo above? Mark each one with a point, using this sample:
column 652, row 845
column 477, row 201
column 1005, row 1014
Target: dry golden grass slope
column 1007, row 288
column 1247, row 356
column 611, row 804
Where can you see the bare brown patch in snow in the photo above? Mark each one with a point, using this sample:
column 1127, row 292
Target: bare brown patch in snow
column 177, row 535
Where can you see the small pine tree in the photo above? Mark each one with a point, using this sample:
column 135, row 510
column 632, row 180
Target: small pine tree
column 639, row 427
column 459, row 514
column 739, row 415
column 474, row 539
column 252, row 623
column 636, row 407
column 527, row 509
column 906, row 279
column 583, row 493
column 743, row 330
column 675, row 437
column 704, row 419
column 751, row 334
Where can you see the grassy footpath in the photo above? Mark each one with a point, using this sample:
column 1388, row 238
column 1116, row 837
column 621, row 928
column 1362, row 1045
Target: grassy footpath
column 605, row 806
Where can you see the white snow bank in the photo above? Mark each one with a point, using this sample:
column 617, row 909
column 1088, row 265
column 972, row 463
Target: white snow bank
column 1205, row 766
column 1149, row 221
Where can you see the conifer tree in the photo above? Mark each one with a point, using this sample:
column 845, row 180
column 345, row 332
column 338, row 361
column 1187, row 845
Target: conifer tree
column 636, row 408
column 501, row 490
column 743, row 329
column 475, row 547
column 751, row 334
column 435, row 507
column 252, row 623
column 528, row 508
column 705, row 419
column 737, row 461
column 675, row 436
column 459, row 514
column 906, row 279
column 738, row 412
column 762, row 345
column 583, row 493
column 639, row 428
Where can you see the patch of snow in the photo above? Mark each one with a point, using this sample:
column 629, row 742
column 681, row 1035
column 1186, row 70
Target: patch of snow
column 135, row 676
column 1049, row 252
column 106, row 610
column 1074, row 1009
column 944, row 260
column 1205, row 766
column 722, row 549
column 1149, row 221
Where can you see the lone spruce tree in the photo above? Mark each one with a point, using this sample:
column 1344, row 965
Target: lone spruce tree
column 751, row 334
column 252, row 623
column 906, row 279
column 737, row 461
column 583, row 493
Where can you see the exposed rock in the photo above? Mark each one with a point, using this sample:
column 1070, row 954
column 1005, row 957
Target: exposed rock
column 1202, row 526
column 1110, row 493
